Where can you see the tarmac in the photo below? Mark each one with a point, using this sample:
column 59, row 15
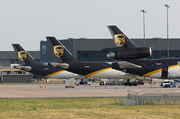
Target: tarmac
column 59, row 90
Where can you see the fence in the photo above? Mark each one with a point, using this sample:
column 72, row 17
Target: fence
column 153, row 97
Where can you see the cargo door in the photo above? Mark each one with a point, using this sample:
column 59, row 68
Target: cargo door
column 164, row 72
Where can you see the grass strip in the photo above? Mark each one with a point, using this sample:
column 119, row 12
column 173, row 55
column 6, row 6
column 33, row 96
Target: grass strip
column 81, row 108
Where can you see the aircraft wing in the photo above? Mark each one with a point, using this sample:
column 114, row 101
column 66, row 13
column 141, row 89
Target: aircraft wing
column 125, row 64
column 61, row 65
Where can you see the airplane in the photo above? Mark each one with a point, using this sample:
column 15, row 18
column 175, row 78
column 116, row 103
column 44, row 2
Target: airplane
column 65, row 60
column 165, row 68
column 28, row 63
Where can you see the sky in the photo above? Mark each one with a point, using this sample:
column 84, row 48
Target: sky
column 27, row 22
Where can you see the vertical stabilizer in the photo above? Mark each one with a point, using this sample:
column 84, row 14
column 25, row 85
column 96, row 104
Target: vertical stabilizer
column 120, row 39
column 60, row 52
column 24, row 57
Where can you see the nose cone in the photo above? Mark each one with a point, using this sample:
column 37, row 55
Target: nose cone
column 111, row 55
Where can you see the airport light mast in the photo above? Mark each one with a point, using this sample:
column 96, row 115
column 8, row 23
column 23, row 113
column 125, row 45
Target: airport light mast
column 167, row 6
column 144, row 25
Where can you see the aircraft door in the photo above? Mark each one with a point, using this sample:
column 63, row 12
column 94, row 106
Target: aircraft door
column 164, row 72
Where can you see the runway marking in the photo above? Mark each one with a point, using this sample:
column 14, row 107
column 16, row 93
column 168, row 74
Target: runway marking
column 98, row 71
column 55, row 73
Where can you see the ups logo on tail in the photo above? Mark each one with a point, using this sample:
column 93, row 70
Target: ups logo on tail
column 120, row 39
column 58, row 50
column 22, row 55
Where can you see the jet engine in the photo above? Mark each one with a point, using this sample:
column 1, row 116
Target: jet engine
column 135, row 53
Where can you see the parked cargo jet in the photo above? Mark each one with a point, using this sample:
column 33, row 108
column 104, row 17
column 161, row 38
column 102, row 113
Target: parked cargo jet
column 29, row 64
column 96, row 69
column 166, row 68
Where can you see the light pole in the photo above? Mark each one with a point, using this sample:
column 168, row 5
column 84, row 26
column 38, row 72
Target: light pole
column 144, row 25
column 167, row 6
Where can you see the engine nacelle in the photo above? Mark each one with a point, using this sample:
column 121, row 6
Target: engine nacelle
column 135, row 53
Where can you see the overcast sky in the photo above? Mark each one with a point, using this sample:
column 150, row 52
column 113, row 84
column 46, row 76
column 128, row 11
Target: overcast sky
column 27, row 22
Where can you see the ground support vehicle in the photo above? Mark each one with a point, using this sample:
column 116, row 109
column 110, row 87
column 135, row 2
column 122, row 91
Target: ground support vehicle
column 70, row 83
column 170, row 84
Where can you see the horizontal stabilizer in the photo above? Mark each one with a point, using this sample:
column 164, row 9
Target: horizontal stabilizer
column 125, row 64
column 27, row 68
column 61, row 65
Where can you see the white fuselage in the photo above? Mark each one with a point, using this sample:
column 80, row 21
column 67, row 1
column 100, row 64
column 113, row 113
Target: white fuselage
column 173, row 73
column 109, row 73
